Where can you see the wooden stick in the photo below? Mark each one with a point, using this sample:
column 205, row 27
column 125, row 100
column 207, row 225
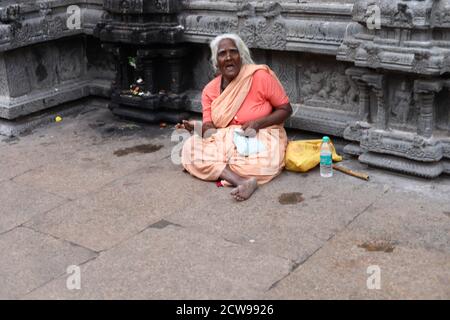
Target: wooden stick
column 351, row 173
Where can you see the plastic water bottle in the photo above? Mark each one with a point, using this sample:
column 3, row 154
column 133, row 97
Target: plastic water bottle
column 326, row 161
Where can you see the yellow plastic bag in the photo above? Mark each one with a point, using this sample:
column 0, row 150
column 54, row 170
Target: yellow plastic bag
column 303, row 155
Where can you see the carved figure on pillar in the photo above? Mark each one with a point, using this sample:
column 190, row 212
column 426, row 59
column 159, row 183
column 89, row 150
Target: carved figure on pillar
column 425, row 91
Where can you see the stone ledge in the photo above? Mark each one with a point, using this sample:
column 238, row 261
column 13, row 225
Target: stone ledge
column 47, row 23
column 421, row 169
column 13, row 108
column 285, row 26
column 25, row 124
column 331, row 7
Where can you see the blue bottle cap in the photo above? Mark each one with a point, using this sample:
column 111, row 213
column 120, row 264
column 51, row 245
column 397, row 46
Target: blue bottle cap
column 326, row 139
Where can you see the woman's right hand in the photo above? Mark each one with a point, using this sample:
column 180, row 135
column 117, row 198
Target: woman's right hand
column 185, row 124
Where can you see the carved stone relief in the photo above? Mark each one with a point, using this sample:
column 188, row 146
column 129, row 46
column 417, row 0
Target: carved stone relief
column 210, row 25
column 413, row 147
column 403, row 16
column 281, row 64
column 139, row 6
column 324, row 84
column 48, row 26
column 161, row 4
column 266, row 32
column 4, row 90
column 10, row 14
column 123, row 6
column 402, row 109
column 441, row 16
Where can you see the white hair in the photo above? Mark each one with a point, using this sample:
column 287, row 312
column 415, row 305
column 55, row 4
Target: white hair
column 244, row 52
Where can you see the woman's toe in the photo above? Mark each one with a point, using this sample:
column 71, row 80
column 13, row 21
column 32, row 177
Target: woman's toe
column 236, row 196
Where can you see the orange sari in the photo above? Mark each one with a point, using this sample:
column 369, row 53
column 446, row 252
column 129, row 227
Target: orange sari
column 206, row 158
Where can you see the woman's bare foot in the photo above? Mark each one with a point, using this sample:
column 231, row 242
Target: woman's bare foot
column 245, row 190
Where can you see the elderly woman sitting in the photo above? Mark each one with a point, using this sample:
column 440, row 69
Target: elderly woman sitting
column 242, row 140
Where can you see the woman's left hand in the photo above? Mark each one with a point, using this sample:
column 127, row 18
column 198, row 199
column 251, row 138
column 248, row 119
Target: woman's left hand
column 250, row 128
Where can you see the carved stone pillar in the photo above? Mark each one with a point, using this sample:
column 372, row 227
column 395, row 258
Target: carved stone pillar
column 364, row 101
column 382, row 114
column 149, row 75
column 174, row 58
column 376, row 82
column 123, row 67
column 175, row 75
column 426, row 123
column 426, row 91
column 118, row 83
column 356, row 75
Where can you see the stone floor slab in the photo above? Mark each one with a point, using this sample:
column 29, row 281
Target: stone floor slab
column 409, row 219
column 173, row 263
column 293, row 231
column 407, row 237
column 20, row 203
column 122, row 209
column 89, row 151
column 86, row 172
column 31, row 259
column 160, row 233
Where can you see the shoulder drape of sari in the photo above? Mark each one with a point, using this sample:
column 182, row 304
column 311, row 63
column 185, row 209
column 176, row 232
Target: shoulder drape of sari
column 225, row 107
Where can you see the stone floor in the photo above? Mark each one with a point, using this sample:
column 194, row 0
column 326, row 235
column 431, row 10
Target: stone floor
column 103, row 194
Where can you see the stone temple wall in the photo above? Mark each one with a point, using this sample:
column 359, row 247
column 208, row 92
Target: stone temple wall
column 383, row 89
column 43, row 63
column 299, row 41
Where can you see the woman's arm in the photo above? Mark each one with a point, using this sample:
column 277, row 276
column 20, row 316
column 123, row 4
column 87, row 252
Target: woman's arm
column 191, row 125
column 278, row 116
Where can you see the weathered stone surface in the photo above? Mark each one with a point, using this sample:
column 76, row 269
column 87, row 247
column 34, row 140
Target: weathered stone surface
column 14, row 128
column 43, row 76
column 28, row 22
column 188, row 265
column 406, row 237
column 120, row 210
column 92, row 155
column 406, row 110
column 292, row 231
column 406, row 273
column 166, row 235
column 425, row 223
column 271, row 25
column 20, row 203
column 34, row 260
column 80, row 179
column 39, row 69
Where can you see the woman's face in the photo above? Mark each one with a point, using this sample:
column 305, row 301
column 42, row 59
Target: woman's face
column 228, row 59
